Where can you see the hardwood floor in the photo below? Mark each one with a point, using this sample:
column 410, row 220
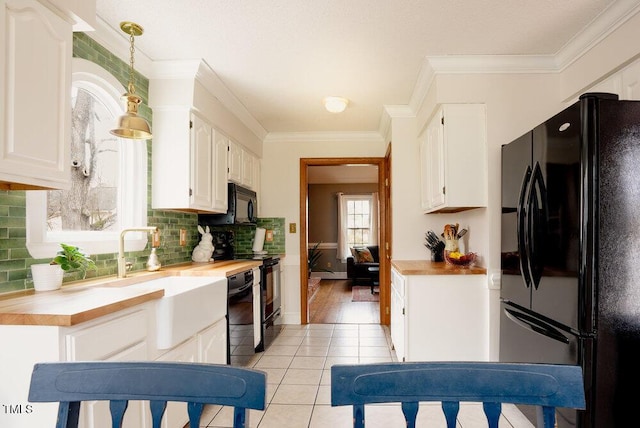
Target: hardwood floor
column 332, row 304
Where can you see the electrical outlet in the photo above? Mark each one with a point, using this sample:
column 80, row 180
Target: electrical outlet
column 268, row 235
column 156, row 239
column 329, row 264
column 292, row 228
column 183, row 237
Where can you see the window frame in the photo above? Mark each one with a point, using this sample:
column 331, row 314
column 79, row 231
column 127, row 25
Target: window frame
column 132, row 193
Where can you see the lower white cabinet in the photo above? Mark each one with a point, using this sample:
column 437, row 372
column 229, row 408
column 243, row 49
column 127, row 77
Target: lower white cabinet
column 439, row 317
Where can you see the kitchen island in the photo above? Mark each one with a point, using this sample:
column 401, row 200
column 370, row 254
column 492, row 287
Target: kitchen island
column 439, row 312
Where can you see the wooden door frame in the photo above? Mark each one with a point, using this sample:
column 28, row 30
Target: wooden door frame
column 385, row 212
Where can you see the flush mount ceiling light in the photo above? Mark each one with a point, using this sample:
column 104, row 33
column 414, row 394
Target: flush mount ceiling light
column 335, row 104
column 130, row 125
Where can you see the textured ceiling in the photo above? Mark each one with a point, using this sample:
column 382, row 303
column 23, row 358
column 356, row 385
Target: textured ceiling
column 281, row 57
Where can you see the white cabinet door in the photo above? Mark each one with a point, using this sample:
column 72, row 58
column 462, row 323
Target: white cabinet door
column 212, row 343
column 35, row 92
column 235, row 162
column 247, row 169
column 433, row 164
column 244, row 166
column 201, row 164
column 220, row 169
column 95, row 414
column 397, row 316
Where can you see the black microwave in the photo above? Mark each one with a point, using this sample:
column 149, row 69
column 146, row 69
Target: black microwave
column 242, row 208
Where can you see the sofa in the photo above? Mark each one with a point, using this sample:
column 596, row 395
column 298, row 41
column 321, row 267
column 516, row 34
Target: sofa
column 360, row 262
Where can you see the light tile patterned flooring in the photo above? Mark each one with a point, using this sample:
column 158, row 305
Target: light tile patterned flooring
column 298, row 363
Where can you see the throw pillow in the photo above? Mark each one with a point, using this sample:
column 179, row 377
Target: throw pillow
column 363, row 255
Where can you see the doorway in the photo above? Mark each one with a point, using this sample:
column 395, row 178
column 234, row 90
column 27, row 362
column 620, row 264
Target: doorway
column 382, row 170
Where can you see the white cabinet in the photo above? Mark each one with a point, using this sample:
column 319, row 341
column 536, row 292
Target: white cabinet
column 453, row 159
column 244, row 166
column 189, row 163
column 35, row 92
column 439, row 317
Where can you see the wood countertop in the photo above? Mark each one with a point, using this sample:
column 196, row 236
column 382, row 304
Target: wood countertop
column 427, row 267
column 83, row 301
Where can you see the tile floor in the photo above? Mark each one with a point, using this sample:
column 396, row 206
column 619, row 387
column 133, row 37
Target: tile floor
column 298, row 363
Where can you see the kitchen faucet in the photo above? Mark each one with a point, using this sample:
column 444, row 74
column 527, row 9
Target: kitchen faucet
column 122, row 270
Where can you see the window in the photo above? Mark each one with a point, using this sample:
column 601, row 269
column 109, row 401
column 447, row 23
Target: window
column 109, row 176
column 357, row 222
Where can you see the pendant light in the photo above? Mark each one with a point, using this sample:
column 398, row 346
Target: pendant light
column 130, row 125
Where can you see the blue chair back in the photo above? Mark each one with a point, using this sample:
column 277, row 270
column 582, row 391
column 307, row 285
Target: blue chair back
column 544, row 385
column 70, row 383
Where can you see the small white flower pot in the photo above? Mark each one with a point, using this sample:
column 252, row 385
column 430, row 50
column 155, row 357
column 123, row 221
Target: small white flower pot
column 46, row 277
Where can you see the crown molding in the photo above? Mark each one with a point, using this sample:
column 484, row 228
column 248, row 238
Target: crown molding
column 323, row 137
column 606, row 23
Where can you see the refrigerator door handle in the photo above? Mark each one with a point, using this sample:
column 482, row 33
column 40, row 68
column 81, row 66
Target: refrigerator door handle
column 522, row 229
column 536, row 325
column 538, row 220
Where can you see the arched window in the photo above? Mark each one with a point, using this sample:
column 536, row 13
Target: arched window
column 108, row 176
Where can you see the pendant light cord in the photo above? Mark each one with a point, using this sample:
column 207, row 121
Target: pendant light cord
column 132, row 50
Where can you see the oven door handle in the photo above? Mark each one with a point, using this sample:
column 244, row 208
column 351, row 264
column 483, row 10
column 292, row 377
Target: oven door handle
column 239, row 290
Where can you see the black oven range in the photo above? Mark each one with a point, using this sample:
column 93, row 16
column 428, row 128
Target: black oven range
column 252, row 302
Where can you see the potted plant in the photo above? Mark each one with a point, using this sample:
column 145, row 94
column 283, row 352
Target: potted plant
column 314, row 257
column 48, row 276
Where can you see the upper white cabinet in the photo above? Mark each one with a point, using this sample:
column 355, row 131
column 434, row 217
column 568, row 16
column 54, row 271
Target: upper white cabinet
column 243, row 166
column 35, row 88
column 453, row 159
column 189, row 166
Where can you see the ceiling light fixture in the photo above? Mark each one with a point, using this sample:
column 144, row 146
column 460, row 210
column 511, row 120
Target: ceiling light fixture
column 130, row 125
column 335, row 104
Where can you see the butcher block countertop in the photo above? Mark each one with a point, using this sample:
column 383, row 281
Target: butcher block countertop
column 82, row 301
column 426, row 267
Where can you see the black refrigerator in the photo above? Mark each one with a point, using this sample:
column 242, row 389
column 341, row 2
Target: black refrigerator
column 570, row 253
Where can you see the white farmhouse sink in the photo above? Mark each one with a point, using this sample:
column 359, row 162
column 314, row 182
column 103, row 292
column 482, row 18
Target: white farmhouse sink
column 190, row 304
